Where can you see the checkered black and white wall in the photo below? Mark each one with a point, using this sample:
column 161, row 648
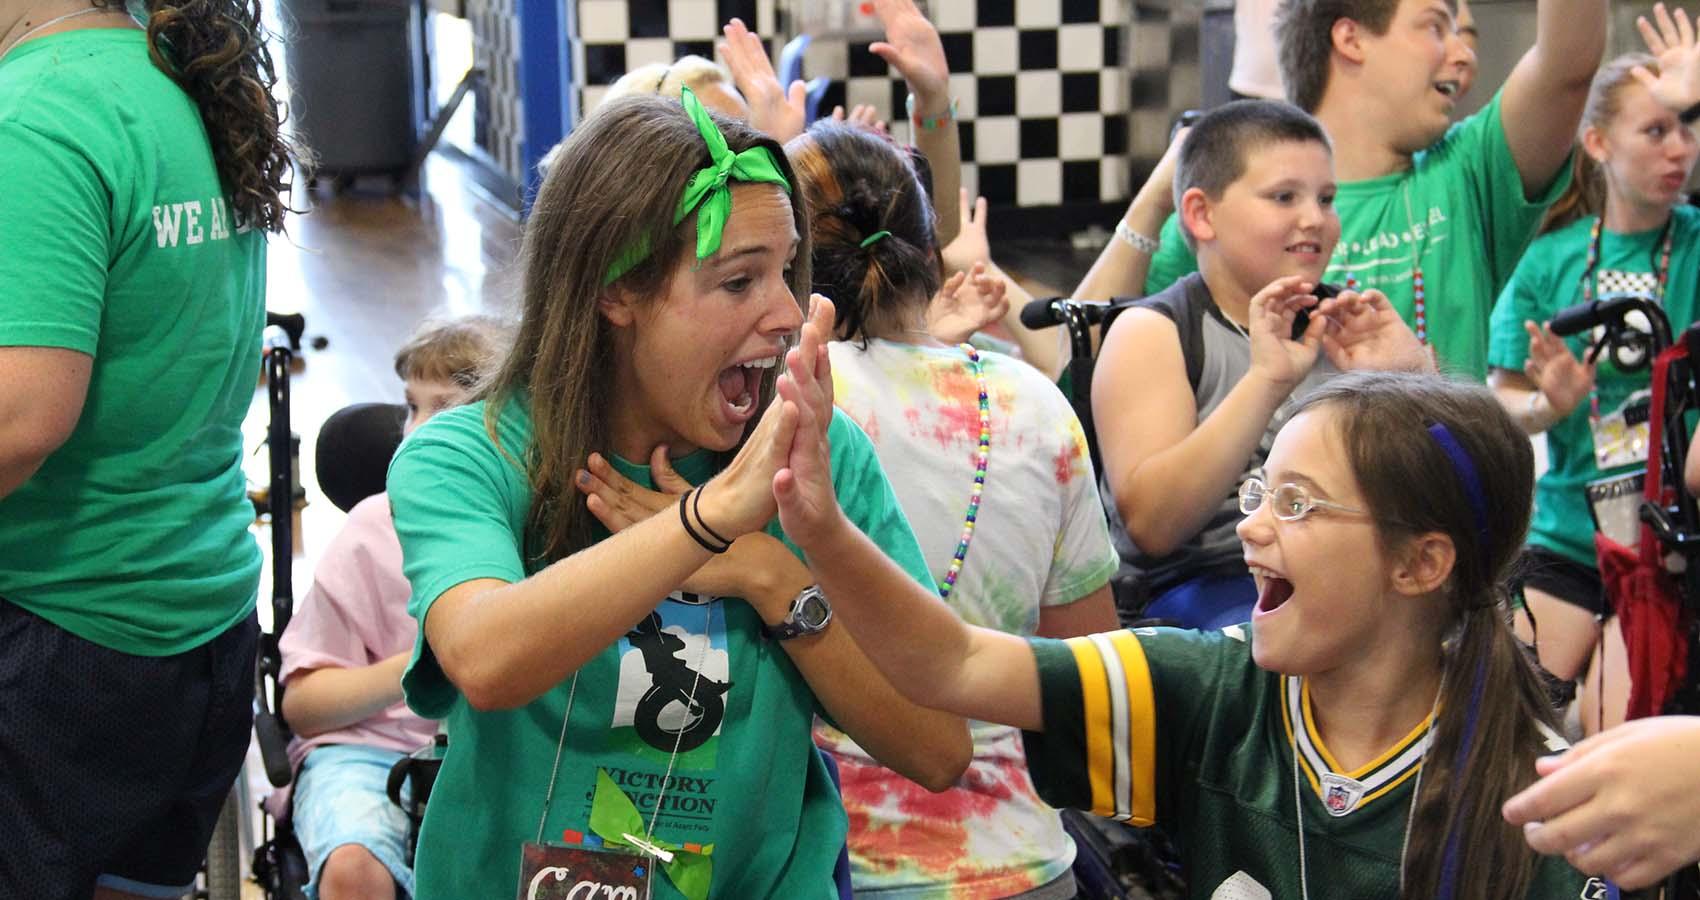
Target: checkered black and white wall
column 1042, row 86
column 616, row 36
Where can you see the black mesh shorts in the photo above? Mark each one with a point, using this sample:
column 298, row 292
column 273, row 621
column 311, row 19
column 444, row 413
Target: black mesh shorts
column 1562, row 577
column 113, row 767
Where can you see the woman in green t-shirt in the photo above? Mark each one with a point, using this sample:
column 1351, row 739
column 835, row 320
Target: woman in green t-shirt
column 652, row 688
column 141, row 167
column 1621, row 231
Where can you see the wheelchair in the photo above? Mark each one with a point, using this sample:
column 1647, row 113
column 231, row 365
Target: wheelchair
column 370, row 432
column 1667, row 517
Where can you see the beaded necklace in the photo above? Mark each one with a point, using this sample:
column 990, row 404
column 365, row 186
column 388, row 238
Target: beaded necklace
column 1590, row 272
column 1591, row 276
column 979, row 371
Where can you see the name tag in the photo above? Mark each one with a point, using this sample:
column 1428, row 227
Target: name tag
column 559, row 872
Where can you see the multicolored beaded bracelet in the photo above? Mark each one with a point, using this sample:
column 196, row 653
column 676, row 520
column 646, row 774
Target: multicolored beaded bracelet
column 979, row 473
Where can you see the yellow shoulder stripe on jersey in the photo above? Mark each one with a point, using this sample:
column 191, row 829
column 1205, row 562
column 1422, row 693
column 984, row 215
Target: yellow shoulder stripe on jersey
column 1095, row 717
column 1120, row 725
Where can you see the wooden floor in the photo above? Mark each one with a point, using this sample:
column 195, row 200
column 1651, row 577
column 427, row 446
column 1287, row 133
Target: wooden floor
column 365, row 269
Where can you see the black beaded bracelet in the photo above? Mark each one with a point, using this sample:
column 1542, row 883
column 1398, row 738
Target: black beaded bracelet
column 701, row 541
column 1690, row 115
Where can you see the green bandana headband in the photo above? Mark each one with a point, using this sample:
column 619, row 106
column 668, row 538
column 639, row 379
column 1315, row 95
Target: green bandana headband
column 708, row 192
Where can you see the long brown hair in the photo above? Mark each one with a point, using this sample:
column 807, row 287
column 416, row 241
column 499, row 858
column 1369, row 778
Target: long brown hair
column 855, row 185
column 1486, row 738
column 1586, row 195
column 216, row 52
column 615, row 185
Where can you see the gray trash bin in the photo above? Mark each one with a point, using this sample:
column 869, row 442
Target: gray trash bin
column 350, row 66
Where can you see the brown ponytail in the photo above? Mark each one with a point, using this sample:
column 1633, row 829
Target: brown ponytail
column 1586, row 195
column 857, row 184
column 216, row 51
column 1488, row 732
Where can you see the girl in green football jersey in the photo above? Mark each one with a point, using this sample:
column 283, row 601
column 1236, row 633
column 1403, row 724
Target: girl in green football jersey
column 1358, row 738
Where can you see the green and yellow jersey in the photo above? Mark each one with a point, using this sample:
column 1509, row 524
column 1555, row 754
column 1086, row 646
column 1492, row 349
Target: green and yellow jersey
column 1182, row 729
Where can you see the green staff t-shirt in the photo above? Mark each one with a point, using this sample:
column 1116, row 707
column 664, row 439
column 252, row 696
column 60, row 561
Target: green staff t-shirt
column 1549, row 279
column 747, row 780
column 117, row 240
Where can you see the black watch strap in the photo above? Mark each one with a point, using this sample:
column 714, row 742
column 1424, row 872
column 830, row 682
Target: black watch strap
column 1690, row 115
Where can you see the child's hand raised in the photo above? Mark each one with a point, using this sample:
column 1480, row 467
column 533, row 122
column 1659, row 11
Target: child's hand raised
column 913, row 48
column 970, row 244
column 968, row 302
column 1274, row 354
column 1371, row 335
column 862, row 116
column 803, row 488
column 777, row 110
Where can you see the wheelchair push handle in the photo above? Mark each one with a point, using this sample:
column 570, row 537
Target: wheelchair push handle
column 1612, row 313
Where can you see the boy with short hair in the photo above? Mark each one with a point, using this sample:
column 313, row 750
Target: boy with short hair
column 1434, row 217
column 1217, row 360
column 346, row 647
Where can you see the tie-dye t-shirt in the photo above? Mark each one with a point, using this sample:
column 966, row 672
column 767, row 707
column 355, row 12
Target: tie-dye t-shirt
column 1039, row 540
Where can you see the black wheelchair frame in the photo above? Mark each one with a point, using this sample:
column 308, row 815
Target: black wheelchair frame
column 1676, row 524
column 278, row 865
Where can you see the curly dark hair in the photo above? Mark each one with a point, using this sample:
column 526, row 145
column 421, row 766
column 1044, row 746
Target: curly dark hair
column 216, row 51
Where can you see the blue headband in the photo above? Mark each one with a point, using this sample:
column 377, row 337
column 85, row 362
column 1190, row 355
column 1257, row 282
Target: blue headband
column 1466, row 469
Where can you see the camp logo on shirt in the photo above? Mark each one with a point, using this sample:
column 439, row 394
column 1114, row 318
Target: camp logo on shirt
column 1373, row 253
column 662, row 697
column 194, row 222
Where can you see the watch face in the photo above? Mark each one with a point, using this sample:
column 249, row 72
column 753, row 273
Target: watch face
column 813, row 612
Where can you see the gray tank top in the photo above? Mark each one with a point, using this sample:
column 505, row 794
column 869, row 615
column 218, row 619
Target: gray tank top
column 1217, row 356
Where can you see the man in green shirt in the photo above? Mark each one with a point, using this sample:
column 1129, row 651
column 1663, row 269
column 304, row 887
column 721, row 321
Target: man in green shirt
column 1432, row 216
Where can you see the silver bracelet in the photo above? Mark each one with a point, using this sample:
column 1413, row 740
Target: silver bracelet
column 1137, row 241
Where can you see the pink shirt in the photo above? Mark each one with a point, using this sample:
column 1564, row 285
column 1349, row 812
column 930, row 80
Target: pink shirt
column 355, row 614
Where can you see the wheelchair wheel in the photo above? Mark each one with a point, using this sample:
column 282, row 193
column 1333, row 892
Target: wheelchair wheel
column 224, row 853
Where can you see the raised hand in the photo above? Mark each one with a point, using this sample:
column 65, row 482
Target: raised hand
column 913, row 48
column 1670, row 38
column 862, row 116
column 1563, row 378
column 1274, row 354
column 970, row 244
column 968, row 302
column 777, row 110
column 807, row 499
column 1371, row 335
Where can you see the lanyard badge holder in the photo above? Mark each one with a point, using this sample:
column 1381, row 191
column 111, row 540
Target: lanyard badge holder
column 1621, row 437
column 557, row 871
